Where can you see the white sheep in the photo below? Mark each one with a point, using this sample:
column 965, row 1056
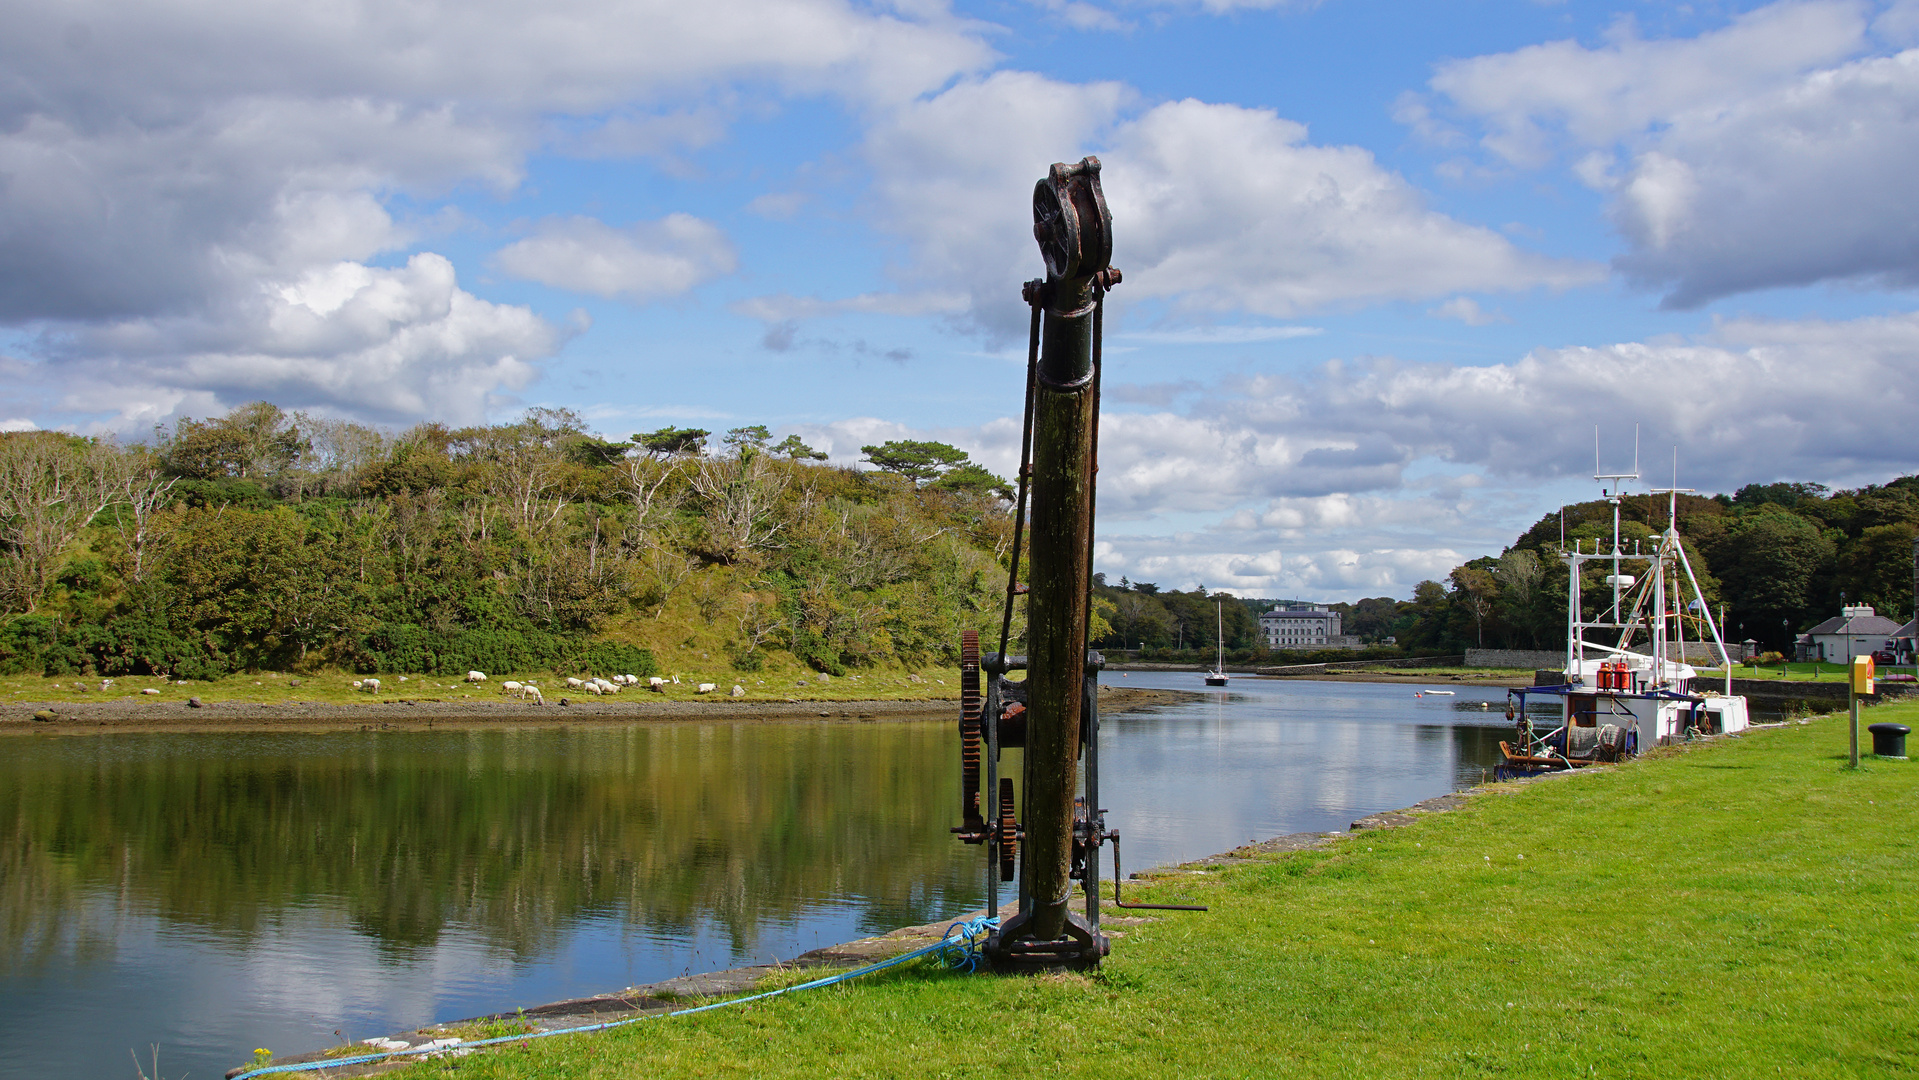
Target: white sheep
column 575, row 684
column 509, row 687
column 632, row 680
column 476, row 676
column 149, row 690
column 707, row 688
column 357, row 684
column 656, row 684
column 372, row 686
column 609, row 687
column 534, row 693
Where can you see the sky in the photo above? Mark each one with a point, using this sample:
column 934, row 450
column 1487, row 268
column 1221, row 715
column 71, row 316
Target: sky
column 1387, row 265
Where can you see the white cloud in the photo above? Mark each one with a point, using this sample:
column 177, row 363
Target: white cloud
column 386, row 345
column 1766, row 154
column 161, row 160
column 1221, row 335
column 1216, row 207
column 1536, row 98
column 1809, row 182
column 973, row 153
column 779, row 308
column 1228, row 208
column 1367, row 474
column 644, row 261
column 1467, row 310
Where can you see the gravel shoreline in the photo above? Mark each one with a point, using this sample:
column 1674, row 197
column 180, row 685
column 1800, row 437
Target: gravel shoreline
column 401, row 714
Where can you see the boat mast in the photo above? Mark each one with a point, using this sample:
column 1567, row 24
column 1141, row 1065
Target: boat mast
column 1219, row 659
column 1612, row 487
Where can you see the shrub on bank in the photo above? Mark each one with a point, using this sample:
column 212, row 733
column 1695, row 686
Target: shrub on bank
column 406, row 647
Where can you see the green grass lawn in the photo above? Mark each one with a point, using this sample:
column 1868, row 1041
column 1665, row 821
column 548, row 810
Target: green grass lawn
column 1823, row 672
column 1744, row 907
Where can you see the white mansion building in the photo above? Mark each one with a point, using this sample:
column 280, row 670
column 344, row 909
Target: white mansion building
column 1300, row 625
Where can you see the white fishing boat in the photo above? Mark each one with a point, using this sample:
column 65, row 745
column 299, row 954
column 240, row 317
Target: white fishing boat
column 1638, row 690
column 1217, row 676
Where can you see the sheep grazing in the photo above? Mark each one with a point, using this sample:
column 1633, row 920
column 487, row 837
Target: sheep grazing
column 656, row 684
column 609, row 687
column 476, row 676
column 372, row 686
column 707, row 688
column 532, row 693
column 632, row 680
column 575, row 684
column 509, row 687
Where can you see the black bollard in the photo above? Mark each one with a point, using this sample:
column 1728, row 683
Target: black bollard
column 1889, row 740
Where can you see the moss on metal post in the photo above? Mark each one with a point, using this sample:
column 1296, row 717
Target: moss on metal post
column 1056, row 606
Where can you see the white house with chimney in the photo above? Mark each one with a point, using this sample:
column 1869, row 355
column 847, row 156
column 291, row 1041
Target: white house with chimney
column 1857, row 631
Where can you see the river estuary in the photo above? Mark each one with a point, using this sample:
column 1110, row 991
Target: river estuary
column 212, row 893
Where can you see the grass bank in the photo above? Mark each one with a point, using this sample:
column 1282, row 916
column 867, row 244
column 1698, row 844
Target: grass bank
column 1808, row 672
column 336, row 688
column 1739, row 908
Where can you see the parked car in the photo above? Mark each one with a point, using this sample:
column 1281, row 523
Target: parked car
column 1884, row 658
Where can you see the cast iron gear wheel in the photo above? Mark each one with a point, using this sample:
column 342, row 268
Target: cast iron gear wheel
column 1008, row 830
column 971, row 707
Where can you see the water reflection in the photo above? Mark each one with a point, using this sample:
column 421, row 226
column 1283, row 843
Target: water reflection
column 1271, row 756
column 402, row 877
column 213, row 893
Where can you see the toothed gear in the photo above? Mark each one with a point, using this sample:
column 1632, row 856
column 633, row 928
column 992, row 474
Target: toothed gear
column 1008, row 830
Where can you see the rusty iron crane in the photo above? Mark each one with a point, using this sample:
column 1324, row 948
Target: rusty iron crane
column 1052, row 836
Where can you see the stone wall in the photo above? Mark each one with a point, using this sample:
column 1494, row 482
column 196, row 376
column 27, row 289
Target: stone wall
column 1521, row 659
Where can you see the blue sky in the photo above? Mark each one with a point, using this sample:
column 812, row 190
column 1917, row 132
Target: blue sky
column 1387, row 264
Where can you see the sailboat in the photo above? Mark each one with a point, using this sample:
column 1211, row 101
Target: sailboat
column 1217, row 676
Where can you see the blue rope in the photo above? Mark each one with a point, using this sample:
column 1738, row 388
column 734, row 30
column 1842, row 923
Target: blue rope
column 963, row 947
column 958, row 951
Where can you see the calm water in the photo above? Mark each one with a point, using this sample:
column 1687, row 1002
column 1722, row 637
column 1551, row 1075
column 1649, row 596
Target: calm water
column 211, row 894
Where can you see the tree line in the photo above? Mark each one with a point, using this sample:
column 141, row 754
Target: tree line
column 268, row 539
column 1776, row 558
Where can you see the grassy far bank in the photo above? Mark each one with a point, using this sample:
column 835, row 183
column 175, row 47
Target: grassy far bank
column 1737, row 908
column 1808, row 672
column 336, row 688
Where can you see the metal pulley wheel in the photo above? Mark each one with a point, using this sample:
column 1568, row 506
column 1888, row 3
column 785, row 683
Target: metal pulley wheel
column 1071, row 222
